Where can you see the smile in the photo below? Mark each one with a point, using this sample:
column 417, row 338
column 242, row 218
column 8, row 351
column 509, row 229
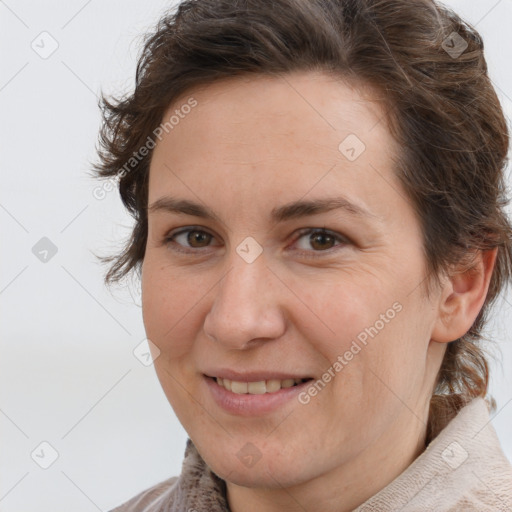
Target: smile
column 258, row 388
column 254, row 398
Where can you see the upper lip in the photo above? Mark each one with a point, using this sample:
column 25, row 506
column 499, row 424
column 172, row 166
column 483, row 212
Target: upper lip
column 253, row 376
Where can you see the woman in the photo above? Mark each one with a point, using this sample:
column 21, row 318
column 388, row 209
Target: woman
column 318, row 196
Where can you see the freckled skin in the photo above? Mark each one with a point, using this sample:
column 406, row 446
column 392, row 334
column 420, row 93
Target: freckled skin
column 251, row 145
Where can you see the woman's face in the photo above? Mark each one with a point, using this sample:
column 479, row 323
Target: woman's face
column 281, row 246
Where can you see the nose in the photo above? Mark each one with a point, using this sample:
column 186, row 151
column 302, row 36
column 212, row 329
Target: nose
column 247, row 306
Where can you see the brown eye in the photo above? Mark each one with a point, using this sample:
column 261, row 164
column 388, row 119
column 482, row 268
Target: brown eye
column 191, row 238
column 318, row 240
column 321, row 241
column 198, row 238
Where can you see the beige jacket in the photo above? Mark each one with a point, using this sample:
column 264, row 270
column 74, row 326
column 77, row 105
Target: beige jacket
column 462, row 470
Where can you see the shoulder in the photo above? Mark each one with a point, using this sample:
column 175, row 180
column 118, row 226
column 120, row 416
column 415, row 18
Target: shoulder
column 462, row 469
column 469, row 470
column 151, row 499
column 478, row 470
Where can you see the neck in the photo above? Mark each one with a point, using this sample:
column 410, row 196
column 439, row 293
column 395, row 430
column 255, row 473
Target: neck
column 348, row 486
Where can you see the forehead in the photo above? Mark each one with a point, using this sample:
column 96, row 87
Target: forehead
column 302, row 104
column 284, row 131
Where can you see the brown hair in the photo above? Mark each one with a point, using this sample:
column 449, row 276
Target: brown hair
column 441, row 108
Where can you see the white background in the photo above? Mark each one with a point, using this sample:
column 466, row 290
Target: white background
column 67, row 372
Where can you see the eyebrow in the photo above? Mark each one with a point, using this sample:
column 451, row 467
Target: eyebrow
column 289, row 211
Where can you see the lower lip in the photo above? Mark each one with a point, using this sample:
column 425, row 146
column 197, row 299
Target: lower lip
column 252, row 405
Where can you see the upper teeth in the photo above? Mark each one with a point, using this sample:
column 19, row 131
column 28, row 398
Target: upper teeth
column 257, row 388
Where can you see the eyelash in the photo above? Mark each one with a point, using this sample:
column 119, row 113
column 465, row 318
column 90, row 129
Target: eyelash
column 169, row 240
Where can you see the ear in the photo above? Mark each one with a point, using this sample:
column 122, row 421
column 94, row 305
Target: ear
column 462, row 297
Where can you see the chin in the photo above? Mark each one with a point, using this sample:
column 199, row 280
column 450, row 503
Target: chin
column 269, row 471
column 261, row 478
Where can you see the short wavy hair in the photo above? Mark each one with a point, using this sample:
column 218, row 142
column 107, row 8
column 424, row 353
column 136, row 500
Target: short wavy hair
column 440, row 106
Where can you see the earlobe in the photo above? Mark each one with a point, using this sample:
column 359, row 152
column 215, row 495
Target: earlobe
column 462, row 297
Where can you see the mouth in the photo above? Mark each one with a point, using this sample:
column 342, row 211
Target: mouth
column 255, row 397
column 260, row 387
column 254, row 392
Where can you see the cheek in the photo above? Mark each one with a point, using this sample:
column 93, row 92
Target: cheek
column 169, row 308
column 372, row 339
column 340, row 312
column 383, row 365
